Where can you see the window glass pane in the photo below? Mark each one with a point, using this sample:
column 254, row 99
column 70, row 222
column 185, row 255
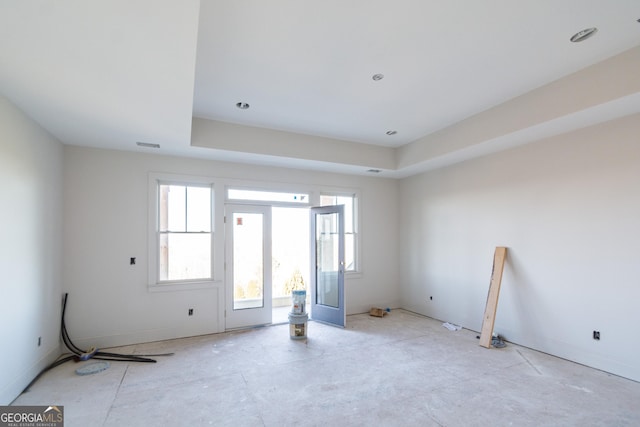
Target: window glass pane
column 163, row 261
column 349, row 252
column 327, row 200
column 199, row 209
column 350, row 226
column 267, row 196
column 185, row 256
column 183, row 231
column 348, row 212
column 163, row 192
column 172, row 207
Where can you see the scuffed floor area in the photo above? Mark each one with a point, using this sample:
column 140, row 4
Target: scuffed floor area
column 400, row 370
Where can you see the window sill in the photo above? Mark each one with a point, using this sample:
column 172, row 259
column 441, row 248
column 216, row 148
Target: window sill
column 183, row 286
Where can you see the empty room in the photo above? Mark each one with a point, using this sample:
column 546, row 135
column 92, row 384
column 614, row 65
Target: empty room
column 288, row 212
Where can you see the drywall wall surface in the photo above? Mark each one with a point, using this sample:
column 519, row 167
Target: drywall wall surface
column 228, row 136
column 31, row 163
column 568, row 209
column 607, row 82
column 106, row 220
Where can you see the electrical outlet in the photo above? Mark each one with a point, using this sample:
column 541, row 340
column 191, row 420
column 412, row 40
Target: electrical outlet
column 191, row 312
column 596, row 335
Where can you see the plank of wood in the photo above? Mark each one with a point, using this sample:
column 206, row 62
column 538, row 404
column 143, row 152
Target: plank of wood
column 492, row 297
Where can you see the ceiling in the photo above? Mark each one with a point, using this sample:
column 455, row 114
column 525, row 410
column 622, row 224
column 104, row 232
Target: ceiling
column 112, row 73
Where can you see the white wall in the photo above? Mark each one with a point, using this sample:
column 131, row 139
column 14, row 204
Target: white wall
column 568, row 209
column 30, row 249
column 106, row 224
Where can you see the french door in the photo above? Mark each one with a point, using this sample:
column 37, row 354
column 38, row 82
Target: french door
column 247, row 265
column 327, row 265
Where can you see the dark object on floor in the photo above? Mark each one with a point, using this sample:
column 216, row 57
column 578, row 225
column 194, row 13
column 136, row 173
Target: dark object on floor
column 93, row 353
column 378, row 312
column 497, row 342
column 92, row 368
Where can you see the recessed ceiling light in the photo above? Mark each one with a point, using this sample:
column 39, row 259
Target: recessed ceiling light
column 242, row 105
column 374, row 170
column 392, row 132
column 147, row 145
column 377, row 77
column 583, row 35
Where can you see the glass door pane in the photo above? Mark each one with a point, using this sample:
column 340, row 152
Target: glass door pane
column 247, row 265
column 327, row 265
column 248, row 256
column 327, row 261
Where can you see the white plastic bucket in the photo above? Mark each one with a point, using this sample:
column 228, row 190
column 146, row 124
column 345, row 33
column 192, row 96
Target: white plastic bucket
column 298, row 326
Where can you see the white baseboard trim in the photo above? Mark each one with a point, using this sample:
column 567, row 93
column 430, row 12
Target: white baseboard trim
column 10, row 392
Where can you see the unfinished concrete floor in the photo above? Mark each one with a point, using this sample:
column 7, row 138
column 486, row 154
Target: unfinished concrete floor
column 400, row 370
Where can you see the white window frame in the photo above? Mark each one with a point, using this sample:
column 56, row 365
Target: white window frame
column 314, row 191
column 265, row 200
column 154, row 282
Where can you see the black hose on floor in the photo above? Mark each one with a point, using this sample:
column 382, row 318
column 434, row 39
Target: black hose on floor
column 100, row 355
column 51, row 366
column 77, row 352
